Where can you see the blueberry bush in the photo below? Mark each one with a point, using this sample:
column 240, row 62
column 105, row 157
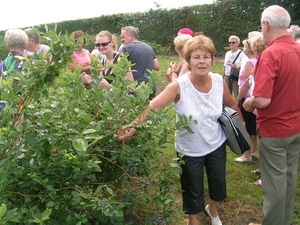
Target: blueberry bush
column 60, row 161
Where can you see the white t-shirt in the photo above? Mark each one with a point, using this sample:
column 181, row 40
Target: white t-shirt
column 229, row 58
column 41, row 48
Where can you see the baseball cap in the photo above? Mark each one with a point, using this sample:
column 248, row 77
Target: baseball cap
column 185, row 31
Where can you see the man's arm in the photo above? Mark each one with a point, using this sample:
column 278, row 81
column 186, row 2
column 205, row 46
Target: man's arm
column 156, row 65
column 256, row 103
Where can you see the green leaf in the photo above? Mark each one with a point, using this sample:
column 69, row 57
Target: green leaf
column 46, row 214
column 3, row 209
column 89, row 131
column 3, row 163
column 49, row 187
column 12, row 216
column 3, row 176
column 51, row 34
column 29, row 139
column 80, row 145
column 188, row 129
column 50, row 204
column 119, row 215
column 109, row 190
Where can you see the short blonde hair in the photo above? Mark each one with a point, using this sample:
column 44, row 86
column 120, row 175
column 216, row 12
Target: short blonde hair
column 249, row 41
column 258, row 44
column 199, row 42
column 236, row 38
column 180, row 40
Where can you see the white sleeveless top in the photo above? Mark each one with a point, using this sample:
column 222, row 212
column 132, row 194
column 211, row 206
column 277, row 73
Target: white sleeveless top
column 206, row 108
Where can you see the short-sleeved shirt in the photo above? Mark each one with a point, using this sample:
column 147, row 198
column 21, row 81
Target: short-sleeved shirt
column 11, row 62
column 229, row 58
column 277, row 77
column 41, row 48
column 142, row 56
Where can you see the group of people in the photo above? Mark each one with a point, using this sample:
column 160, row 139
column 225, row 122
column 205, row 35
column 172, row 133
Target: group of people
column 265, row 96
column 266, row 93
column 21, row 44
column 140, row 54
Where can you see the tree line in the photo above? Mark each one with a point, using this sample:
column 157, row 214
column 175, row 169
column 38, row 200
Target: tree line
column 159, row 26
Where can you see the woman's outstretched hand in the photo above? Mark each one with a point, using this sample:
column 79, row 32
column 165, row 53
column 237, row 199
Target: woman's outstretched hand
column 125, row 132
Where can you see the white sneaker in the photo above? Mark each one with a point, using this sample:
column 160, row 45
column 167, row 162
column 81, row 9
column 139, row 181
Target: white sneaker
column 214, row 220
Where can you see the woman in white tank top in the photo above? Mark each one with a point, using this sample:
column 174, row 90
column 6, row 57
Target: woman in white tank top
column 200, row 94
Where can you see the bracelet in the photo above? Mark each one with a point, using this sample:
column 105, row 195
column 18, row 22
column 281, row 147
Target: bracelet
column 173, row 72
column 244, row 123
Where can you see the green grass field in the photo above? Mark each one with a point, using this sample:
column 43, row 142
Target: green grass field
column 244, row 202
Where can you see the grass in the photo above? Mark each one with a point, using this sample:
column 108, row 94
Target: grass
column 244, row 201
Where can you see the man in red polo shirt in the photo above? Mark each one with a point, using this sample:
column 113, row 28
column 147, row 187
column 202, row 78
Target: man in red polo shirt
column 276, row 98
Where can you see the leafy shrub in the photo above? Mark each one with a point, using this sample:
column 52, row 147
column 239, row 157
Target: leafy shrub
column 60, row 161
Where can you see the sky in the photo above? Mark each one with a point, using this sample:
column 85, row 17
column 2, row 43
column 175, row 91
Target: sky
column 29, row 13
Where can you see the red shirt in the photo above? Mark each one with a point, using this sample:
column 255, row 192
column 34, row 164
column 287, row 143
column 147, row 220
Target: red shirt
column 277, row 77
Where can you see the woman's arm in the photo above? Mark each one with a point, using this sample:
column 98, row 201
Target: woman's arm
column 129, row 74
column 245, row 86
column 229, row 101
column 166, row 97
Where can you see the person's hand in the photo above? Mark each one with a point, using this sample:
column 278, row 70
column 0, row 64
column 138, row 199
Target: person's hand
column 173, row 66
column 168, row 74
column 104, row 83
column 87, row 79
column 247, row 106
column 233, row 66
column 125, row 132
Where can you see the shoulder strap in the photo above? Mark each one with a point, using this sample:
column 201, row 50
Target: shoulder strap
column 114, row 62
column 236, row 57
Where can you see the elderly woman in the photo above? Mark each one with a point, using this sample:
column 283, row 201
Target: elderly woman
column 244, row 93
column 258, row 46
column 201, row 94
column 16, row 40
column 233, row 56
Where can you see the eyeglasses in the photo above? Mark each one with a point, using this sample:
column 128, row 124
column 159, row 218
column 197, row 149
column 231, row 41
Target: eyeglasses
column 102, row 44
column 231, row 42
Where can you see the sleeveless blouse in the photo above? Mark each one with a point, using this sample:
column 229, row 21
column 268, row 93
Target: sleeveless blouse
column 83, row 60
column 206, row 108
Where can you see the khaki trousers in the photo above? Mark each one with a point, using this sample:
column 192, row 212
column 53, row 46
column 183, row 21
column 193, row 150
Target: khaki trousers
column 279, row 164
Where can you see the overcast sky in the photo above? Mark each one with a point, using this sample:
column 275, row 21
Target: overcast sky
column 26, row 13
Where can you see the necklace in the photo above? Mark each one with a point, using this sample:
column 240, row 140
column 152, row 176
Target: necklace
column 81, row 52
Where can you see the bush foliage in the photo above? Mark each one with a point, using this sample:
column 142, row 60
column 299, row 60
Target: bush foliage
column 60, row 161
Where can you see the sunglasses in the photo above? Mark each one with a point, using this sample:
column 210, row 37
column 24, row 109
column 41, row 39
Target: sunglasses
column 102, row 44
column 231, row 42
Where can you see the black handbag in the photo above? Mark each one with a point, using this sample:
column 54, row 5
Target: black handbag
column 234, row 73
column 238, row 139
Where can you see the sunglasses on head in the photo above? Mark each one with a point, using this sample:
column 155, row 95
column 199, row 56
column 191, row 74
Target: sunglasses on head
column 231, row 42
column 102, row 44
